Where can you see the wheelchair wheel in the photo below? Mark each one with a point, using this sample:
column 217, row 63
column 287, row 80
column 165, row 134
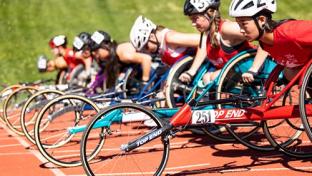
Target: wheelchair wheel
column 13, row 106
column 229, row 85
column 79, row 77
column 32, row 108
column 3, row 96
column 289, row 136
column 59, row 126
column 134, row 89
column 175, row 90
column 305, row 102
column 119, row 124
column 132, row 82
column 61, row 77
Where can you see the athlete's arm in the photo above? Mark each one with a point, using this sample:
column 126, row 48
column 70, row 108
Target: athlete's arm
column 127, row 54
column 182, row 39
column 257, row 63
column 231, row 34
column 197, row 62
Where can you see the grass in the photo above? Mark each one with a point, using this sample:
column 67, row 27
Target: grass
column 27, row 25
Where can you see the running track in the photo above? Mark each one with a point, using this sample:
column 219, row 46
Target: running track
column 190, row 155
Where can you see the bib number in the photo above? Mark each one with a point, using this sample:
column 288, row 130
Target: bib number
column 203, row 116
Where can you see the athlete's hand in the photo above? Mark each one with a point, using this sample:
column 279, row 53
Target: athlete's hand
column 248, row 77
column 186, row 77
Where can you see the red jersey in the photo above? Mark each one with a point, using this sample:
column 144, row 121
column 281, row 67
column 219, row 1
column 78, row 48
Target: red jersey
column 171, row 55
column 70, row 59
column 292, row 44
column 218, row 56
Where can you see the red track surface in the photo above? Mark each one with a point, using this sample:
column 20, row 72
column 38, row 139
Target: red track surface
column 189, row 155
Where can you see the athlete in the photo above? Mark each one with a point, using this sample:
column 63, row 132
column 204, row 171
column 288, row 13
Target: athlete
column 220, row 39
column 168, row 44
column 64, row 58
column 112, row 57
column 289, row 42
column 82, row 49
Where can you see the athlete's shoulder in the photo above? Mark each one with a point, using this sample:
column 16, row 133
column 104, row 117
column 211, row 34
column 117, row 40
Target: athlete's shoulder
column 295, row 28
column 125, row 49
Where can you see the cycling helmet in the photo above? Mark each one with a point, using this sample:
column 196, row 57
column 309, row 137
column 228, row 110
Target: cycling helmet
column 82, row 41
column 59, row 40
column 249, row 8
column 140, row 32
column 98, row 38
column 192, row 7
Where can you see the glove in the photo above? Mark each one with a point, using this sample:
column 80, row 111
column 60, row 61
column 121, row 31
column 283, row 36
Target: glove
column 248, row 77
column 186, row 77
column 42, row 63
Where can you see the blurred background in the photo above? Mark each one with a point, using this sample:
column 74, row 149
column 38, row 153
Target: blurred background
column 27, row 25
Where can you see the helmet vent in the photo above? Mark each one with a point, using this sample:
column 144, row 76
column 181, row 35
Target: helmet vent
column 238, row 3
column 250, row 4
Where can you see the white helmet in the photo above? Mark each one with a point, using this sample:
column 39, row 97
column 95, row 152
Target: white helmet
column 140, row 32
column 58, row 40
column 249, row 8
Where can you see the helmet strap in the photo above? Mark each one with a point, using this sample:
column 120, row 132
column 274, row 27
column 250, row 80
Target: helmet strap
column 210, row 19
column 260, row 29
column 156, row 43
column 201, row 39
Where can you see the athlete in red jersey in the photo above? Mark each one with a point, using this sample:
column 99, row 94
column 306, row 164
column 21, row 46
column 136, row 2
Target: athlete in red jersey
column 288, row 42
column 220, row 54
column 64, row 57
column 70, row 59
column 220, row 39
column 168, row 44
column 58, row 45
column 171, row 52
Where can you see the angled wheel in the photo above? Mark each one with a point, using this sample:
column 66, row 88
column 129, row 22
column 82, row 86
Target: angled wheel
column 120, row 124
column 229, row 85
column 305, row 101
column 289, row 136
column 132, row 82
column 3, row 96
column 61, row 77
column 32, row 108
column 13, row 106
column 59, row 126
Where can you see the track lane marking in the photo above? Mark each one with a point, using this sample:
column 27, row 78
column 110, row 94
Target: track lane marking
column 37, row 154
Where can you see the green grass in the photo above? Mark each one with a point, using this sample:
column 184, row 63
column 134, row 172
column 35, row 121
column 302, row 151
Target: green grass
column 27, row 25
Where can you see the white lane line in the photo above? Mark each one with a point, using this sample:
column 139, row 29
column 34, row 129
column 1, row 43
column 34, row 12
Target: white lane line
column 187, row 166
column 151, row 173
column 37, row 154
column 10, row 154
column 9, row 145
column 265, row 169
